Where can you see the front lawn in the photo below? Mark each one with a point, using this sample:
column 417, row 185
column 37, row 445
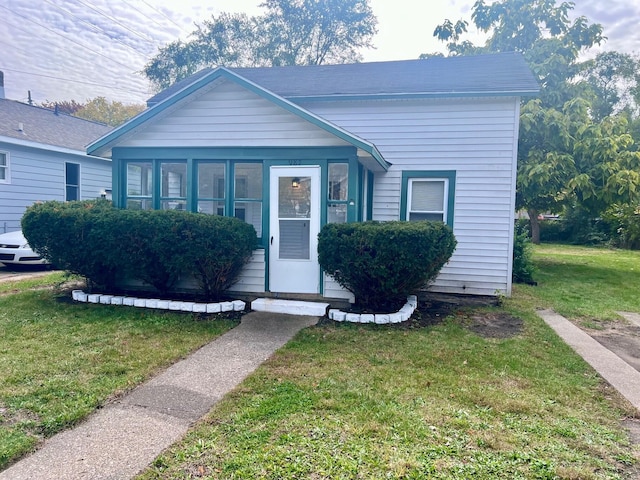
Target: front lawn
column 59, row 361
column 354, row 401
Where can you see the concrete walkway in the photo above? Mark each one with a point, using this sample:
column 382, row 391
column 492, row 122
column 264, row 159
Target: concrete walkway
column 612, row 368
column 120, row 440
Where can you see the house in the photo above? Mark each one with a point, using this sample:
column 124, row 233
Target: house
column 42, row 157
column 289, row 149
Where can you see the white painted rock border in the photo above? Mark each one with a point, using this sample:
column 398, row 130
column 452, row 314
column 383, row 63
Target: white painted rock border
column 234, row 306
column 401, row 315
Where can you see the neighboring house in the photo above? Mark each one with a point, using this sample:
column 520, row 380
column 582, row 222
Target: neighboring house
column 42, row 157
column 289, row 149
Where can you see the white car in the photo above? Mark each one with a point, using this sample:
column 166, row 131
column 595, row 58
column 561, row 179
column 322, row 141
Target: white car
column 14, row 250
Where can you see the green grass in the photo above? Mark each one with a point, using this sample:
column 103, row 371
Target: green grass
column 45, row 281
column 59, row 361
column 585, row 283
column 353, row 401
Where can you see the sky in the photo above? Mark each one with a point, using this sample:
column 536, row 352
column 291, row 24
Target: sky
column 80, row 49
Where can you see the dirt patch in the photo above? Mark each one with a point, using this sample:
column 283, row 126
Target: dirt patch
column 621, row 338
column 496, row 325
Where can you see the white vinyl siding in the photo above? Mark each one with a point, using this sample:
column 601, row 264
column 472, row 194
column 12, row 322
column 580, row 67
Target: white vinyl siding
column 231, row 116
column 476, row 138
column 252, row 277
column 38, row 174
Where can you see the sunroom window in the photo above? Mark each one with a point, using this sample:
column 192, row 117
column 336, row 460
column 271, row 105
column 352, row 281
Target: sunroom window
column 211, row 188
column 338, row 192
column 173, row 189
column 247, row 192
column 140, row 185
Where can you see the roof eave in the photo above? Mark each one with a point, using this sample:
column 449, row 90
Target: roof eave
column 48, row 147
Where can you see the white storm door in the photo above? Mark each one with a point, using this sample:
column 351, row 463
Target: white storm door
column 294, row 225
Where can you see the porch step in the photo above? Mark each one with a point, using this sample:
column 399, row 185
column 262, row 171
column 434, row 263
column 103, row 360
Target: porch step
column 291, row 307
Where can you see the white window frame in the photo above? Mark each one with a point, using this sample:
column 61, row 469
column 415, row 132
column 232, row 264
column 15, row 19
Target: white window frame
column 6, row 167
column 66, row 185
column 445, row 199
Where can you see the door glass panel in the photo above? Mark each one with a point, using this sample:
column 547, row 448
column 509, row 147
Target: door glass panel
column 294, row 197
column 294, row 239
column 294, row 210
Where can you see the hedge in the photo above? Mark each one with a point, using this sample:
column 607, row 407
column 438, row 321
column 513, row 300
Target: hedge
column 105, row 245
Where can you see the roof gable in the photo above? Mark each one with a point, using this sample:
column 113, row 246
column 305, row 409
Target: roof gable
column 104, row 144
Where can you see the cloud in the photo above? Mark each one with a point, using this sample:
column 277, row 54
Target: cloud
column 80, row 49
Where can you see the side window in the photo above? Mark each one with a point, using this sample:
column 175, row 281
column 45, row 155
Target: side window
column 428, row 195
column 427, row 199
column 4, row 168
column 72, row 181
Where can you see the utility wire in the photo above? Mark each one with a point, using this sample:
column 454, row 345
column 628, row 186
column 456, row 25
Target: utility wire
column 165, row 16
column 63, row 36
column 114, row 20
column 76, row 81
column 96, row 29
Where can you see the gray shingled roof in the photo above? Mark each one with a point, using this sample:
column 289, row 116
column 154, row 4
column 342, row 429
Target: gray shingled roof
column 42, row 125
column 502, row 73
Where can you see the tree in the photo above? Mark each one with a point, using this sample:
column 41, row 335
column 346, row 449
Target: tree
column 68, row 107
column 112, row 113
column 564, row 154
column 614, row 79
column 290, row 32
column 569, row 157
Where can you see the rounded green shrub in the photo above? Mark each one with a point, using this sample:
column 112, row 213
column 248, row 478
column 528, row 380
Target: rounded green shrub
column 105, row 245
column 383, row 262
column 77, row 237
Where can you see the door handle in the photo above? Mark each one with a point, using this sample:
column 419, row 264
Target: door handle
column 271, row 240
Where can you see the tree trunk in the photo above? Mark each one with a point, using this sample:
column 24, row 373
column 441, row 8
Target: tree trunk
column 535, row 226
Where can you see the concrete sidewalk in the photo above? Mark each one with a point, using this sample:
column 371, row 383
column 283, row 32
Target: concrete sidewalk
column 120, row 440
column 624, row 378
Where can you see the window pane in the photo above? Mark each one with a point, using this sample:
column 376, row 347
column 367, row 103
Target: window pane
column 427, row 196
column 250, row 212
column 173, row 205
column 213, row 207
column 338, row 181
column 248, row 181
column 139, row 178
column 4, row 167
column 294, row 197
column 174, row 179
column 433, row 217
column 71, row 193
column 72, row 173
column 139, row 204
column 211, row 182
column 337, row 213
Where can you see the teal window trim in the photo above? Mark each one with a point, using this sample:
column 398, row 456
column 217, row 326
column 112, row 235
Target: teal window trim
column 449, row 175
column 370, row 179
